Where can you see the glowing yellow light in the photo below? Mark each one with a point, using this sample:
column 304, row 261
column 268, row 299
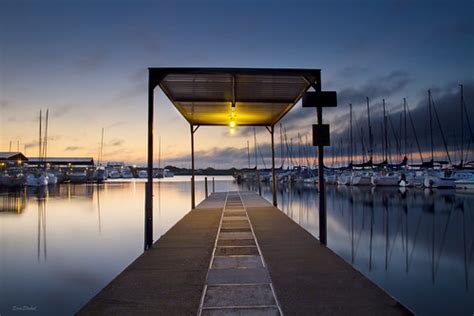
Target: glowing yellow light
column 19, row 161
column 232, row 130
column 232, row 124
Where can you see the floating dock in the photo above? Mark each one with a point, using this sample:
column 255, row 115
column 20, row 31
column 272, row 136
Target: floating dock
column 237, row 254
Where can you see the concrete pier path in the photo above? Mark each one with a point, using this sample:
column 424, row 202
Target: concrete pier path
column 236, row 254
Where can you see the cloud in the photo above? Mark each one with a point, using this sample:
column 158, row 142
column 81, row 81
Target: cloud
column 446, row 100
column 115, row 142
column 5, row 104
column 61, row 110
column 381, row 86
column 91, row 60
column 73, row 148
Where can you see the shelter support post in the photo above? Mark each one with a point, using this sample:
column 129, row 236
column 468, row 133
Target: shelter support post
column 205, row 185
column 193, row 193
column 149, row 184
column 322, row 192
column 272, row 129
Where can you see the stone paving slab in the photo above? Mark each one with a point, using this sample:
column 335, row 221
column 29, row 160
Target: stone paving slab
column 238, row 276
column 235, row 224
column 235, row 230
column 237, row 262
column 234, row 218
column 236, row 242
column 238, row 235
column 238, row 295
column 263, row 311
column 235, row 251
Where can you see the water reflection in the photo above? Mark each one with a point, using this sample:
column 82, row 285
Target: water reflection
column 59, row 245
column 417, row 244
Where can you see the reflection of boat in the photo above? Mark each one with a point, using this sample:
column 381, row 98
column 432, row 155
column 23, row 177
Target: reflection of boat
column 467, row 184
column 142, row 174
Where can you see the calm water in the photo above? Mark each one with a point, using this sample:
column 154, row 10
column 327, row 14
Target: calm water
column 59, row 247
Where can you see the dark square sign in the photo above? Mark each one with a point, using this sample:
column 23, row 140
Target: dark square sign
column 321, row 135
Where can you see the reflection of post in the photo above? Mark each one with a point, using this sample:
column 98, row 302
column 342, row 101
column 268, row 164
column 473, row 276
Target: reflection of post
column 432, row 208
column 371, row 233
column 98, row 208
column 405, row 210
column 41, row 226
column 466, row 263
column 385, row 202
column 352, row 230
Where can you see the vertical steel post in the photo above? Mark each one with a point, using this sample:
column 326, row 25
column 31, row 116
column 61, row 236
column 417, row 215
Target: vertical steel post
column 213, row 185
column 322, row 193
column 272, row 129
column 149, row 184
column 193, row 197
column 205, row 185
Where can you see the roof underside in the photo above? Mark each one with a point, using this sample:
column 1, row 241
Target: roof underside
column 261, row 96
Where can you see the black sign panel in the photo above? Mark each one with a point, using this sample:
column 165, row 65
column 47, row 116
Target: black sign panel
column 321, row 135
column 313, row 99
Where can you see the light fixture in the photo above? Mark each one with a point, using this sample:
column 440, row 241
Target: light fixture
column 232, row 123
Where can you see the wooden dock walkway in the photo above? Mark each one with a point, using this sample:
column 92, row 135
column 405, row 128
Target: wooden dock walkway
column 236, row 254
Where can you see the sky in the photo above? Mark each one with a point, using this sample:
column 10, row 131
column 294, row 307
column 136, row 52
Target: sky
column 86, row 61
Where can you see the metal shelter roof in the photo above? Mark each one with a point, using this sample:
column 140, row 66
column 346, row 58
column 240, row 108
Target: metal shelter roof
column 255, row 96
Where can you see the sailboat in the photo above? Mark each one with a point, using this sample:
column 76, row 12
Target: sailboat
column 364, row 177
column 38, row 178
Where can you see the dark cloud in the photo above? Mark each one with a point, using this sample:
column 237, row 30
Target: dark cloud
column 446, row 101
column 61, row 110
column 73, row 148
column 115, row 142
column 382, row 86
column 352, row 71
column 5, row 104
column 91, row 60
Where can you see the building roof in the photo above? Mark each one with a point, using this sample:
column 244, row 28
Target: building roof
column 63, row 160
column 204, row 96
column 12, row 155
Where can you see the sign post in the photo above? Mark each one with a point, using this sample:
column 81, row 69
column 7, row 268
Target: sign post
column 319, row 99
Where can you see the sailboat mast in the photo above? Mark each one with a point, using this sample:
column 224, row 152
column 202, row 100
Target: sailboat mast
column 159, row 155
column 40, row 139
column 248, row 152
column 385, row 136
column 352, row 148
column 45, row 147
column 255, row 143
column 462, row 125
column 371, row 140
column 405, row 124
column 431, row 125
column 102, row 147
column 281, row 146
